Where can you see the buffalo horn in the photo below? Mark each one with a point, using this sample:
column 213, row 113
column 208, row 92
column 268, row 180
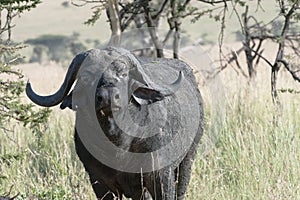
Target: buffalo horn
column 56, row 98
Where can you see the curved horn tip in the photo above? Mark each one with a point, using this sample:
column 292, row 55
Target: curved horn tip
column 179, row 79
column 29, row 91
column 181, row 75
column 176, row 84
column 28, row 87
column 28, row 84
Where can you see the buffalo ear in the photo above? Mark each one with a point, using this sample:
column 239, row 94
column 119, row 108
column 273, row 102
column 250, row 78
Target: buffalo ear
column 147, row 93
column 145, row 96
column 67, row 101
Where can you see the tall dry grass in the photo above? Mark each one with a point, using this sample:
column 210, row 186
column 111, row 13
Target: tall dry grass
column 251, row 157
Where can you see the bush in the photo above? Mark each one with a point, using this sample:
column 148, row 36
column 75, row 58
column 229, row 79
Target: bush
column 58, row 48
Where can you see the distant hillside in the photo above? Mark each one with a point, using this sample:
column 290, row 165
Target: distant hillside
column 54, row 17
column 51, row 17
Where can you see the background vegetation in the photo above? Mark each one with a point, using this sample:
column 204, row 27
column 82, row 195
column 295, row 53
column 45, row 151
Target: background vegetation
column 253, row 159
column 255, row 156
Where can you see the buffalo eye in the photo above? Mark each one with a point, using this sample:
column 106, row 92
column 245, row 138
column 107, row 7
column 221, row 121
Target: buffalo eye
column 117, row 96
column 99, row 98
column 123, row 75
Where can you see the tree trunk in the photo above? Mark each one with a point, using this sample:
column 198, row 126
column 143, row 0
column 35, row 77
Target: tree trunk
column 247, row 46
column 177, row 25
column 153, row 31
column 274, row 76
column 113, row 16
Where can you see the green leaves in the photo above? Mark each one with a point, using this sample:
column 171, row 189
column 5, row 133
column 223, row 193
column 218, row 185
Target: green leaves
column 95, row 16
column 12, row 106
column 241, row 2
column 19, row 5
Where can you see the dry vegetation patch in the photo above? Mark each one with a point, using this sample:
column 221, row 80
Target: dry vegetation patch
column 251, row 159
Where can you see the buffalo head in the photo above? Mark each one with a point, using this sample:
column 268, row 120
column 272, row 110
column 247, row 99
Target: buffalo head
column 119, row 78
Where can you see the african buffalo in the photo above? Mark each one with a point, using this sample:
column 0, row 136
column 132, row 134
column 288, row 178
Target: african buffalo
column 150, row 112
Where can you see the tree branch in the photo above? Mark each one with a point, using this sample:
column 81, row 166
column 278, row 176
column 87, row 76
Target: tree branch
column 293, row 73
column 162, row 8
column 212, row 2
column 280, row 51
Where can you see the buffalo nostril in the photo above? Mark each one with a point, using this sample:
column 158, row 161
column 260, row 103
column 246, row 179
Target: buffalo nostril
column 99, row 98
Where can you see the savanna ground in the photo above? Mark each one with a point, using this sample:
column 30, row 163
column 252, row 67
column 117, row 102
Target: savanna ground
column 251, row 157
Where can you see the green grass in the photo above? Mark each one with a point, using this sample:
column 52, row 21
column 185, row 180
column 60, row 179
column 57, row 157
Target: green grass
column 252, row 159
column 44, row 167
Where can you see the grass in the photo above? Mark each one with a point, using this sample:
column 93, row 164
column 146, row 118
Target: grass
column 252, row 159
column 44, row 167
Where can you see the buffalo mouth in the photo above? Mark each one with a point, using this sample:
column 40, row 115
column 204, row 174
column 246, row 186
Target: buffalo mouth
column 115, row 108
column 109, row 110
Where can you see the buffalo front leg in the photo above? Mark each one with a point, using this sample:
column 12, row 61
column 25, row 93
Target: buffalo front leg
column 184, row 175
column 102, row 191
column 163, row 186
